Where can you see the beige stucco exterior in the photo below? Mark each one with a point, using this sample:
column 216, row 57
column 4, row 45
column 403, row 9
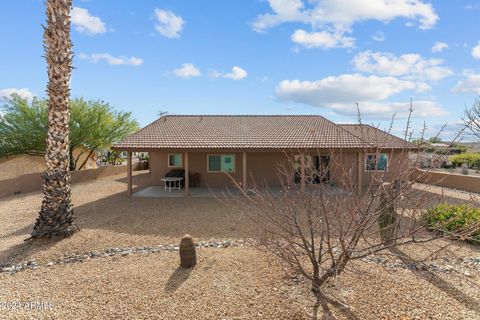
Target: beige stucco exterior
column 262, row 167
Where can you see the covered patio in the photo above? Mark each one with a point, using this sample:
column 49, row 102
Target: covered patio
column 250, row 168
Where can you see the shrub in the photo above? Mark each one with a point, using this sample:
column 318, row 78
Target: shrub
column 470, row 158
column 455, row 219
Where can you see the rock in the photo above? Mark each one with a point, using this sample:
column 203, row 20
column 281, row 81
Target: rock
column 467, row 273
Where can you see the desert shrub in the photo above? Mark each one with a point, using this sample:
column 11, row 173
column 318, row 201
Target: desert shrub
column 470, row 158
column 461, row 219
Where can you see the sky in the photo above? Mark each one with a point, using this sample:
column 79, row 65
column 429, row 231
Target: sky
column 259, row 57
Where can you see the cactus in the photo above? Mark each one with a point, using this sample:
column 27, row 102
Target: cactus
column 387, row 213
column 188, row 255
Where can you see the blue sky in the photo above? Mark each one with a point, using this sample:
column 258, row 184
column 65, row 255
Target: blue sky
column 259, row 57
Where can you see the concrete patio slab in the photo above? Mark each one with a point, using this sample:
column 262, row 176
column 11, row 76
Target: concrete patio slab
column 160, row 192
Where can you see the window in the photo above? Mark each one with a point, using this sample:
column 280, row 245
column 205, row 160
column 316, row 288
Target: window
column 221, row 163
column 376, row 162
column 175, row 160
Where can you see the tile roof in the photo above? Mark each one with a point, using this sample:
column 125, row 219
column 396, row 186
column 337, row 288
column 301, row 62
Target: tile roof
column 376, row 137
column 247, row 132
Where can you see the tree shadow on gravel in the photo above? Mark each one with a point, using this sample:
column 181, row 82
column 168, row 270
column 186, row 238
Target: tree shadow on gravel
column 348, row 313
column 20, row 252
column 178, row 277
column 469, row 302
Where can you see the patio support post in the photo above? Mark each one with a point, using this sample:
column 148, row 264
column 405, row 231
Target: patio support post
column 187, row 175
column 244, row 171
column 129, row 172
column 302, row 171
column 359, row 171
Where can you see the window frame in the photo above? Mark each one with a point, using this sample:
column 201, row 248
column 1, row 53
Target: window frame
column 181, row 160
column 376, row 155
column 233, row 155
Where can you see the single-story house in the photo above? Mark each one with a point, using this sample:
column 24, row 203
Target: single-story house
column 251, row 148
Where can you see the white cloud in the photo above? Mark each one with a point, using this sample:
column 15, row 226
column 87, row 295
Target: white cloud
column 379, row 36
column 187, row 70
column 476, row 51
column 168, row 24
column 283, row 11
column 111, row 60
column 439, row 46
column 346, row 88
column 338, row 16
column 236, row 74
column 23, row 93
column 84, row 22
column 471, row 83
column 472, row 6
column 322, row 39
column 385, row 110
column 340, row 93
column 410, row 66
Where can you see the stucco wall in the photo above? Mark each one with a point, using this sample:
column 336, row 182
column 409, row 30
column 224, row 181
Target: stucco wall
column 33, row 181
column 262, row 166
column 197, row 164
column 397, row 163
column 448, row 180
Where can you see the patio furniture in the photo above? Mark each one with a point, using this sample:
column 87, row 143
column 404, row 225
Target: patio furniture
column 176, row 173
column 172, row 183
column 195, row 179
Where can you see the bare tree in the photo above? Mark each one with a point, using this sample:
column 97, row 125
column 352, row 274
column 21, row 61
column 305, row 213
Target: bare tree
column 471, row 119
column 319, row 227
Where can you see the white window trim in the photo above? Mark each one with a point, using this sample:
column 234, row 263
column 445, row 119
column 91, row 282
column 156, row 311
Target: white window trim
column 222, row 154
column 181, row 160
column 376, row 154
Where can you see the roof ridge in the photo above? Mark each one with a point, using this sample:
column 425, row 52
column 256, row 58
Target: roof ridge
column 244, row 115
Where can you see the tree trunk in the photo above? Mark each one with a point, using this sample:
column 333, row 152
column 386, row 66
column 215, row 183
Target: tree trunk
column 56, row 219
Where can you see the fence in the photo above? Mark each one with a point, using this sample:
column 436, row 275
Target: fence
column 448, row 180
column 33, row 181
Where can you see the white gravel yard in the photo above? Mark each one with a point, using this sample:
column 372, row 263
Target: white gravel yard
column 228, row 283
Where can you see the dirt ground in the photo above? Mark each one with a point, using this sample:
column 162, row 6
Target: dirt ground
column 231, row 283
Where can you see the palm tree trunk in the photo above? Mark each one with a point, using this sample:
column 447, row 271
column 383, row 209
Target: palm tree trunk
column 56, row 218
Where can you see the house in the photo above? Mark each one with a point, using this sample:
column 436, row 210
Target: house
column 252, row 147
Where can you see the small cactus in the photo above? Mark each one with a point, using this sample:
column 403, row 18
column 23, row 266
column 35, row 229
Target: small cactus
column 188, row 256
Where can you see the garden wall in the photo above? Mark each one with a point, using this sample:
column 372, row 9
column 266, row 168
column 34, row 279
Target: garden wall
column 448, row 180
column 33, row 181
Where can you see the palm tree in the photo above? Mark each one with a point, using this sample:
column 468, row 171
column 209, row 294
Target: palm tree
column 56, row 219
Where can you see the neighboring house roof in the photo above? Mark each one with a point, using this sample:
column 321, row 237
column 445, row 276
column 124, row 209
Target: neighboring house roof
column 247, row 132
column 440, row 145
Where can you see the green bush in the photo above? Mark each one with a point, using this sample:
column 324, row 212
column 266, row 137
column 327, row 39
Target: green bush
column 454, row 219
column 470, row 158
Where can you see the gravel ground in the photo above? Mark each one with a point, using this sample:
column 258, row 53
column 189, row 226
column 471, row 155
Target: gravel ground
column 107, row 218
column 227, row 283
column 223, row 285
column 231, row 283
